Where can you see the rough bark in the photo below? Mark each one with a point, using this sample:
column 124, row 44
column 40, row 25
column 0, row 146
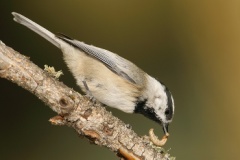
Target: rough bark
column 74, row 110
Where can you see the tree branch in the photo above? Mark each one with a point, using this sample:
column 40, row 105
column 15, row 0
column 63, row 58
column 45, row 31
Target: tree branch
column 74, row 110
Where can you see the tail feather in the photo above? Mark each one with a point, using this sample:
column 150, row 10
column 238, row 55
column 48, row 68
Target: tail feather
column 37, row 28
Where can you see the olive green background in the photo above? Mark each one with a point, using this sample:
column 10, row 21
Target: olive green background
column 192, row 46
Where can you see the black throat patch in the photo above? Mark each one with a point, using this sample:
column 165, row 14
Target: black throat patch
column 146, row 111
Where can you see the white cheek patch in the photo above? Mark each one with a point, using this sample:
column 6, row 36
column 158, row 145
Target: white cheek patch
column 157, row 103
column 160, row 106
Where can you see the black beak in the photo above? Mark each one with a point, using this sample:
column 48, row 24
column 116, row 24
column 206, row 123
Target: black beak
column 165, row 128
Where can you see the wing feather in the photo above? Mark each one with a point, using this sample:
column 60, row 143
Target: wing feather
column 115, row 63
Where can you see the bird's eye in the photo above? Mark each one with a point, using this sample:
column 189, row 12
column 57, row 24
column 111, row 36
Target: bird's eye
column 167, row 112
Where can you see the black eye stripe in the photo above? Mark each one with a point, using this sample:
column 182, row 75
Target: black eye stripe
column 169, row 110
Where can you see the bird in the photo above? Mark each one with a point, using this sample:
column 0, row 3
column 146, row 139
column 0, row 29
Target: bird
column 111, row 79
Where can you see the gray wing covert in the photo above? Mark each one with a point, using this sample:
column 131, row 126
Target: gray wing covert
column 115, row 63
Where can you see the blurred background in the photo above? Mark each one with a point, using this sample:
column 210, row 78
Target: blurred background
column 192, row 46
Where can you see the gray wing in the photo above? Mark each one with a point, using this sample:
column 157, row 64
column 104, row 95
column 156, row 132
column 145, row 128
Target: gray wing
column 115, row 63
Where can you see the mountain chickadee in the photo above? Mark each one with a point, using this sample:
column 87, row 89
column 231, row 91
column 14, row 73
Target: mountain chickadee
column 111, row 79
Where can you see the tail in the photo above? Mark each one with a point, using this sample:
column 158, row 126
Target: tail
column 37, row 28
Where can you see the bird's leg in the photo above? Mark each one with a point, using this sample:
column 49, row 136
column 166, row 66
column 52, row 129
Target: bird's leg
column 88, row 92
